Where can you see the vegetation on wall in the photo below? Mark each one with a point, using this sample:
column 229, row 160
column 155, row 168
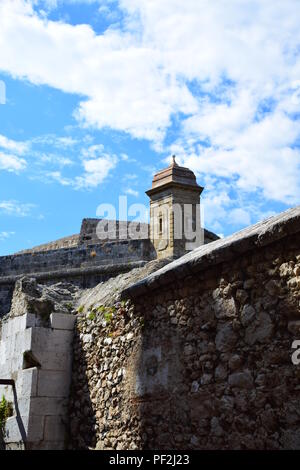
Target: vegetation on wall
column 6, row 410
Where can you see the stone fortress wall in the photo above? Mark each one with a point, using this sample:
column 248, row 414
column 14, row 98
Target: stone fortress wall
column 185, row 354
column 65, row 242
column 198, row 354
column 83, row 259
column 91, row 257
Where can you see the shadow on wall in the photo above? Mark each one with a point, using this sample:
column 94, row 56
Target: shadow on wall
column 215, row 369
column 155, row 380
column 6, row 292
column 2, row 444
column 82, row 414
column 204, row 363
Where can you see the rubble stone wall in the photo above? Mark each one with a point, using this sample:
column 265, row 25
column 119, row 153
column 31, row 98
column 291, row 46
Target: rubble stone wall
column 196, row 360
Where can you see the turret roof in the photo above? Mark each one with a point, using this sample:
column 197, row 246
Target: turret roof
column 174, row 175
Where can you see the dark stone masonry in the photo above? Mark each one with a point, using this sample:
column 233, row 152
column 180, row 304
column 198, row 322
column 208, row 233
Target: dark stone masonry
column 198, row 354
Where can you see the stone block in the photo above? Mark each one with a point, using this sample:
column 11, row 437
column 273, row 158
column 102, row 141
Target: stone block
column 242, row 379
column 22, row 341
column 55, row 429
column 62, row 321
column 15, row 325
column 6, row 369
column 53, row 384
column 31, row 320
column 17, row 363
column 9, row 346
column 51, row 340
column 13, row 432
column 35, row 428
column 26, row 383
column 28, row 320
column 24, row 405
column 44, row 406
column 54, row 360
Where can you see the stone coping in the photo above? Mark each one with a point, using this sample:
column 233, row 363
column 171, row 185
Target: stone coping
column 257, row 235
column 71, row 272
column 81, row 247
column 70, row 241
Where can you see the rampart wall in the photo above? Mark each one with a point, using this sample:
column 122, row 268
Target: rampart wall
column 199, row 354
column 83, row 265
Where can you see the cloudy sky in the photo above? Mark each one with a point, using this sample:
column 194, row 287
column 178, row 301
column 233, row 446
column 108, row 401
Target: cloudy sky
column 100, row 93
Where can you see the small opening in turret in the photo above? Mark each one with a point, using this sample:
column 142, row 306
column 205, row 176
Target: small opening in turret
column 160, row 225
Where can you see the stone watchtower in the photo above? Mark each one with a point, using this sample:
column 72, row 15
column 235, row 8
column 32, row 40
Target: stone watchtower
column 175, row 226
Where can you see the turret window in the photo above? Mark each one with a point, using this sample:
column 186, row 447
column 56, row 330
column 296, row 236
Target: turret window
column 160, row 224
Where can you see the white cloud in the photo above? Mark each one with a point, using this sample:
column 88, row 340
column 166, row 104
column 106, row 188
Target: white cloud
column 96, row 171
column 20, row 148
column 229, row 72
column 225, row 206
column 93, row 151
column 57, row 176
column 16, row 208
column 125, row 158
column 239, row 216
column 97, row 166
column 131, row 192
column 121, row 77
column 55, row 141
column 130, row 177
column 12, row 163
column 262, row 156
column 50, row 158
column 6, row 235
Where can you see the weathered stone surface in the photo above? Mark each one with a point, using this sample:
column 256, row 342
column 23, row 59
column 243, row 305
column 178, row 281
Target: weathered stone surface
column 247, row 315
column 260, row 234
column 110, row 291
column 224, row 308
column 226, row 338
column 201, row 360
column 41, row 300
column 259, row 331
column 36, row 352
column 62, row 321
column 294, row 327
column 241, row 380
column 205, row 365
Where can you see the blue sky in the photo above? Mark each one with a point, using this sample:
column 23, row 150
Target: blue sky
column 100, row 93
